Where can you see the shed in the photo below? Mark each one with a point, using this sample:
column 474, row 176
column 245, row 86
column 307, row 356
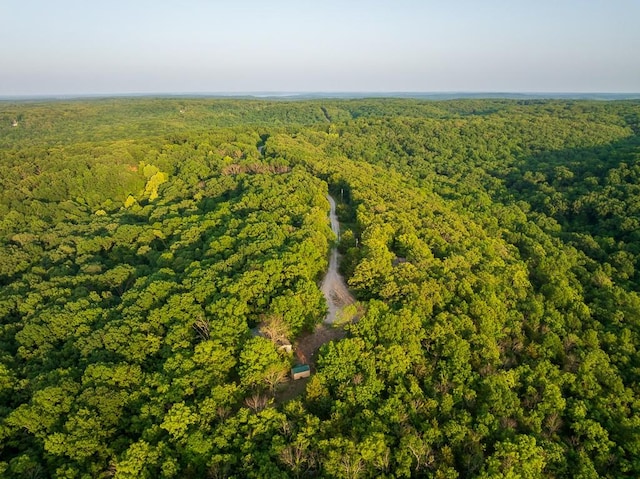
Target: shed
column 300, row 371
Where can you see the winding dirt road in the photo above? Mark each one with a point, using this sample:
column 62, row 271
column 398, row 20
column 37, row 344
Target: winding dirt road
column 337, row 295
column 333, row 286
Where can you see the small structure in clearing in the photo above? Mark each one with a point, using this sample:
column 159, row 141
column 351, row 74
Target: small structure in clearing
column 300, row 371
column 286, row 348
column 280, row 341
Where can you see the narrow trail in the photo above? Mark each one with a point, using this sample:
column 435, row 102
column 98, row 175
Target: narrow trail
column 325, row 112
column 334, row 286
column 337, row 295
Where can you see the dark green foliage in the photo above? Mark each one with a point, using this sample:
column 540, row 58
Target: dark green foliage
column 494, row 245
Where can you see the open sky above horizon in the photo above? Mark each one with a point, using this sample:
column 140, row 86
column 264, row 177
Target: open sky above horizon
column 195, row 46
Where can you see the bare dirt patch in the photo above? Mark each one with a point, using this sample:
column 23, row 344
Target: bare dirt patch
column 307, row 346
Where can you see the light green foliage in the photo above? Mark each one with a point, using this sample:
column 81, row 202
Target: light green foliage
column 129, row 202
column 137, row 462
column 178, row 419
column 513, row 460
column 259, row 359
column 151, row 188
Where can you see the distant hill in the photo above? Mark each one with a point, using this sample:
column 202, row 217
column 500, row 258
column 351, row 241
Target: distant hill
column 345, row 95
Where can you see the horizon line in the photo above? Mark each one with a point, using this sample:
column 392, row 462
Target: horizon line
column 284, row 94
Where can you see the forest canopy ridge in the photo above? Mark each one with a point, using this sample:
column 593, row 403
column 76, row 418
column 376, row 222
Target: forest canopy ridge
column 493, row 247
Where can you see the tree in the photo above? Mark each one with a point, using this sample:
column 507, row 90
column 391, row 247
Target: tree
column 519, row 458
column 260, row 363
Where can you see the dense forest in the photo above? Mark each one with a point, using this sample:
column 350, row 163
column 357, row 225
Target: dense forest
column 493, row 247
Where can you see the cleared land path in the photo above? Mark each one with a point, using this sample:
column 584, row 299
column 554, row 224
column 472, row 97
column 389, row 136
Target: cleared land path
column 338, row 296
column 334, row 287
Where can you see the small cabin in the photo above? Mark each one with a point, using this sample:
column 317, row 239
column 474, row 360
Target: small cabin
column 300, row 371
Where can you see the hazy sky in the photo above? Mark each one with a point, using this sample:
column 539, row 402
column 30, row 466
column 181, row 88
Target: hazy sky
column 153, row 46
